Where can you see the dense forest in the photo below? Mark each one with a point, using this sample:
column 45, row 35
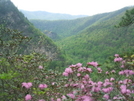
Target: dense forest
column 84, row 59
column 13, row 19
column 91, row 38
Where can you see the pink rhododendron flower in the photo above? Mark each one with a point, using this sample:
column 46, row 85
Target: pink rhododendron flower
column 107, row 72
column 84, row 98
column 65, row 74
column 82, row 86
column 27, row 85
column 99, row 70
column 53, row 83
column 95, row 64
column 78, row 74
column 118, row 97
column 64, row 97
column 106, row 80
column 116, row 55
column 107, row 83
column 84, row 81
column 131, row 72
column 72, row 66
column 75, row 85
column 95, row 89
column 81, row 69
column 107, row 90
column 118, row 59
column 66, row 85
column 126, row 72
column 78, row 64
column 123, row 62
column 121, row 73
column 58, row 99
column 71, row 95
column 40, row 67
column 120, row 82
column 89, row 70
column 122, row 66
column 28, row 97
column 113, row 71
column 123, row 89
column 86, row 76
column 106, row 96
column 128, row 91
column 126, row 81
column 100, row 84
column 42, row 86
column 112, row 79
column 68, row 70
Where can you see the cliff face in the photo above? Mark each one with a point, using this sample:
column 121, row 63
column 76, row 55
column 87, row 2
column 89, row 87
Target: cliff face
column 13, row 19
column 54, row 36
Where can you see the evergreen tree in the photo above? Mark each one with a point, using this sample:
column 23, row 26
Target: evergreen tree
column 127, row 19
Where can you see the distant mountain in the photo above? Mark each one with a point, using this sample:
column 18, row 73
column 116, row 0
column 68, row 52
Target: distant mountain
column 66, row 28
column 49, row 16
column 13, row 19
column 91, row 38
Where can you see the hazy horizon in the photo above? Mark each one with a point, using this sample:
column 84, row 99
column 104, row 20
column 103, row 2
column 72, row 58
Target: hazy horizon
column 73, row 7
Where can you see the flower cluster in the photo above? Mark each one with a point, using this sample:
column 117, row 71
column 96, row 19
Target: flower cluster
column 42, row 86
column 27, row 85
column 126, row 72
column 89, row 83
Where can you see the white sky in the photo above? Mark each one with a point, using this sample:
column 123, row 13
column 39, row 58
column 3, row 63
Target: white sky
column 74, row 7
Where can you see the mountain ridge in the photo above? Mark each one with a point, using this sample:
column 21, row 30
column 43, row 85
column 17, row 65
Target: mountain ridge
column 44, row 15
column 12, row 18
column 66, row 28
column 91, row 38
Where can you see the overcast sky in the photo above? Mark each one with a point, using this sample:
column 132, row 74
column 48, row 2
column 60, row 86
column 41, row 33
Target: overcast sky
column 74, row 7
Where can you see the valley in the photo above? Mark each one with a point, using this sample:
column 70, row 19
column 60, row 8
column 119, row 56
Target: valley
column 90, row 38
column 81, row 58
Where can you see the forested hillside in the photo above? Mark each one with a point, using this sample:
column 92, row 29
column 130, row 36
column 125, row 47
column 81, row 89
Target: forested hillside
column 91, row 38
column 33, row 68
column 49, row 16
column 12, row 19
column 66, row 28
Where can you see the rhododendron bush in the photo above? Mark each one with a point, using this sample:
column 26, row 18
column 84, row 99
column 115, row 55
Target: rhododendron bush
column 85, row 83
column 28, row 77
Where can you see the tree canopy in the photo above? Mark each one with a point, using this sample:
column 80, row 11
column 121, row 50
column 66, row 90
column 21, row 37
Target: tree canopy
column 127, row 19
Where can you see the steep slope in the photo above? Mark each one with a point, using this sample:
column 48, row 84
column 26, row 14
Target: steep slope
column 91, row 38
column 66, row 28
column 13, row 19
column 100, row 40
column 49, row 16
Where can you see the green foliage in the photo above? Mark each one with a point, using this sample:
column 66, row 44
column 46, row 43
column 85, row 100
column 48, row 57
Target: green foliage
column 37, row 42
column 98, row 42
column 59, row 85
column 11, row 41
column 127, row 19
column 66, row 28
column 91, row 38
column 19, row 64
column 15, row 68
